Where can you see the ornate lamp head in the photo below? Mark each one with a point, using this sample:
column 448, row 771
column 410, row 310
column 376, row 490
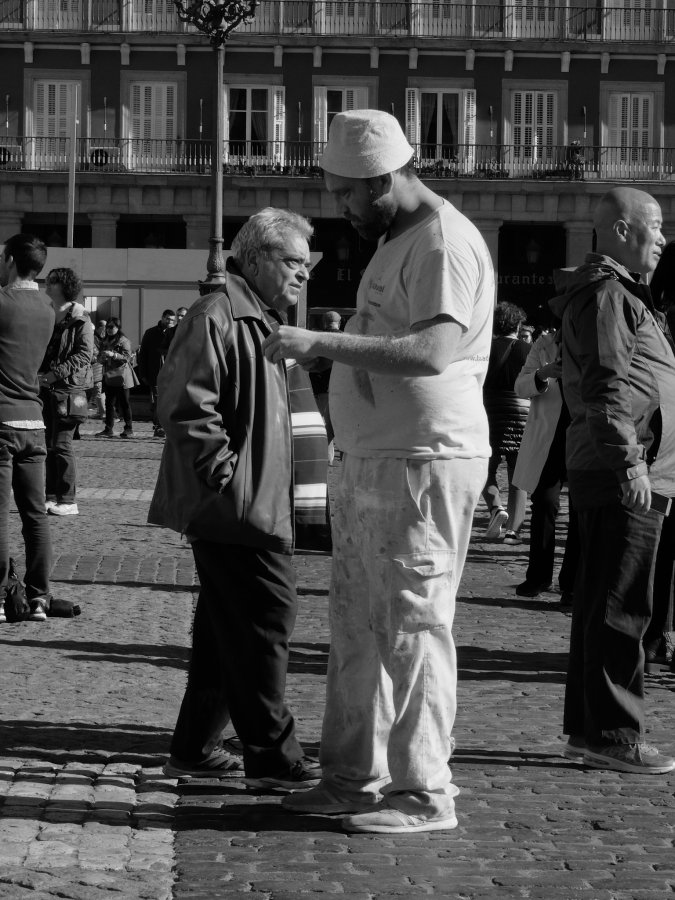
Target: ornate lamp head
column 216, row 18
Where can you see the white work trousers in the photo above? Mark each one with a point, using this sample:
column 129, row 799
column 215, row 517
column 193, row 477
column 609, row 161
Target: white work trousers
column 401, row 531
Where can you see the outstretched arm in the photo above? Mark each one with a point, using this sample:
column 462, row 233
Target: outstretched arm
column 427, row 350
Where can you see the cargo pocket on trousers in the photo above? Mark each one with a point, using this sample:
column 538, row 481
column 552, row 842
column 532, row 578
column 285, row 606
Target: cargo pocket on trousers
column 421, row 585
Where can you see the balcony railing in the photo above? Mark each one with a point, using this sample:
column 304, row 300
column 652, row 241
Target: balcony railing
column 296, row 159
column 608, row 20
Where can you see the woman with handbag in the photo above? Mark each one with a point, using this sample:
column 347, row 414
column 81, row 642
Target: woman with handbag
column 118, row 378
column 65, row 377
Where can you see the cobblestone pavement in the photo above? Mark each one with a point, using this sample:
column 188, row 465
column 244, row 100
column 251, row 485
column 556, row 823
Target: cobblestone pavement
column 89, row 704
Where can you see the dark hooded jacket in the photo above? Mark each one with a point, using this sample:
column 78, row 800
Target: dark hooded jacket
column 618, row 382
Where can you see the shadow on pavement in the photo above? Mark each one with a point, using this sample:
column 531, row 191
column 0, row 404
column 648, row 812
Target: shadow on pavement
column 481, row 664
column 251, row 817
column 81, row 741
column 152, row 654
column 313, row 663
column 534, row 605
column 151, row 585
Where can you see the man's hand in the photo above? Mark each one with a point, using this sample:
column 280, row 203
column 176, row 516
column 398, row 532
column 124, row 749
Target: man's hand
column 636, row 494
column 551, row 370
column 291, row 343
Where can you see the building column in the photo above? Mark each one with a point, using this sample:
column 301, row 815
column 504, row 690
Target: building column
column 10, row 224
column 103, row 230
column 489, row 228
column 579, row 241
column 197, row 232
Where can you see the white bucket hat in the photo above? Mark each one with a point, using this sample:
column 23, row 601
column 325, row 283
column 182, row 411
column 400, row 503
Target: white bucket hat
column 365, row 143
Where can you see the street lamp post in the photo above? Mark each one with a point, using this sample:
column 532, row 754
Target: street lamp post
column 216, row 19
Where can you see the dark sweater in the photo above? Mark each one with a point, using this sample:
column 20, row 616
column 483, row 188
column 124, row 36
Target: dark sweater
column 26, row 325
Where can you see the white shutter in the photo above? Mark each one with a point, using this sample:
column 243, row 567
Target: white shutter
column 320, row 118
column 279, row 124
column 412, row 118
column 154, row 111
column 54, row 109
column 356, row 98
column 467, row 154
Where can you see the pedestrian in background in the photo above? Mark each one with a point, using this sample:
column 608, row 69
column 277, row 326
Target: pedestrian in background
column 540, row 469
column 95, row 394
column 65, row 378
column 405, row 400
column 151, row 358
column 26, row 327
column 226, row 482
column 118, row 378
column 507, row 415
column 619, row 384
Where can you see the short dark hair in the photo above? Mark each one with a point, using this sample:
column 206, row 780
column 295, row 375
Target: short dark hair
column 168, row 312
column 508, row 318
column 68, row 280
column 28, row 252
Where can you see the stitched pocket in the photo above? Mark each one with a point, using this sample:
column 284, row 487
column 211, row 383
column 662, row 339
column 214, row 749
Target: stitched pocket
column 421, row 585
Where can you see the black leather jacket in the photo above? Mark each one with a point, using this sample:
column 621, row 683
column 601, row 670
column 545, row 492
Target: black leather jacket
column 226, row 470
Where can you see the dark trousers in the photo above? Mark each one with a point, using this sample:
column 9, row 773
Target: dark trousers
column 117, row 396
column 60, row 468
column 545, row 508
column 663, row 614
column 22, row 470
column 153, row 406
column 243, row 622
column 604, row 695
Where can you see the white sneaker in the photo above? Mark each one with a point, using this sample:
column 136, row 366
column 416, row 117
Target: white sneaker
column 63, row 509
column 3, row 617
column 498, row 517
column 49, row 504
column 391, row 821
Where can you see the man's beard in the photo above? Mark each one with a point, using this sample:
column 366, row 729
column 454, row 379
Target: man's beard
column 378, row 223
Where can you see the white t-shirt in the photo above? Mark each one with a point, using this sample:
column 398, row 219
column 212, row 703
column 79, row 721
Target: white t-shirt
column 440, row 267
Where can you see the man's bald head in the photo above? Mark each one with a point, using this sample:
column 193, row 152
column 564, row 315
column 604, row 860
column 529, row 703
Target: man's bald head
column 628, row 229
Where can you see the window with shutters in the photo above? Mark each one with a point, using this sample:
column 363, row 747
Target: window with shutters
column 153, row 120
column 55, row 106
column 534, row 125
column 255, row 124
column 330, row 100
column 145, row 15
column 631, row 129
column 441, row 125
column 57, row 14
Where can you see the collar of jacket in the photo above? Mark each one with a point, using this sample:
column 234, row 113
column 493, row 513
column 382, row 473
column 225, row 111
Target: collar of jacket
column 244, row 302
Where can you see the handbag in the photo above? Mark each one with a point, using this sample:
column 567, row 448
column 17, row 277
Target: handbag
column 70, row 404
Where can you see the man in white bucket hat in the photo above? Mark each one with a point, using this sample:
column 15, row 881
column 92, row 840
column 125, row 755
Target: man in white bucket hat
column 406, row 401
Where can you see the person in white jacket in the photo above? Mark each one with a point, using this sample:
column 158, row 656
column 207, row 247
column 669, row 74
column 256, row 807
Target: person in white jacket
column 540, row 468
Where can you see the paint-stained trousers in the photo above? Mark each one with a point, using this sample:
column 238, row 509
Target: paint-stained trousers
column 401, row 532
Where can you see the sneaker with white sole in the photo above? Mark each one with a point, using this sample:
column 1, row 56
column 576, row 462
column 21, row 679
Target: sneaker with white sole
column 498, row 517
column 392, row 821
column 38, row 610
column 49, row 504
column 3, row 617
column 641, row 759
column 63, row 509
column 320, row 801
column 296, row 776
column 220, row 764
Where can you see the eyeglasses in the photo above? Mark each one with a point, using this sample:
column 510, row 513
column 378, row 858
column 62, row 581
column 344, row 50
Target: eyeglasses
column 294, row 263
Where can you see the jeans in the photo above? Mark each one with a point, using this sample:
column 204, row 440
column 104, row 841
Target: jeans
column 61, row 471
column 117, row 395
column 95, row 396
column 401, row 532
column 663, row 614
column 545, row 509
column 243, row 622
column 517, row 501
column 604, row 695
column 22, row 470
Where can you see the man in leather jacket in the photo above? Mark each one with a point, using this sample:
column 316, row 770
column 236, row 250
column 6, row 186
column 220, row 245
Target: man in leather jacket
column 225, row 482
column 619, row 385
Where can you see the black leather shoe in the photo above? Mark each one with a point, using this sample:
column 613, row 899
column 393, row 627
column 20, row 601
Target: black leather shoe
column 529, row 589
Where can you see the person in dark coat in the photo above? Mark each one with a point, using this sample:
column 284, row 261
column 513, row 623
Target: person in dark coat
column 507, row 415
column 150, row 359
